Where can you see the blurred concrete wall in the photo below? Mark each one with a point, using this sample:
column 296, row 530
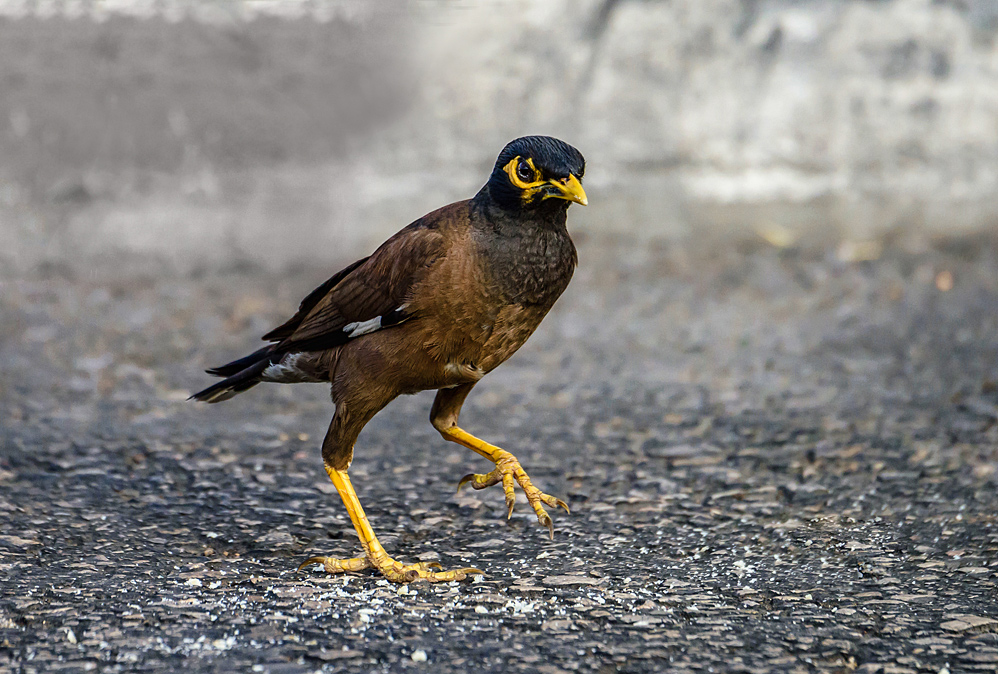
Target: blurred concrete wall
column 858, row 114
column 847, row 116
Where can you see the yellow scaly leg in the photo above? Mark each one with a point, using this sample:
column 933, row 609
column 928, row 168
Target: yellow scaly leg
column 375, row 555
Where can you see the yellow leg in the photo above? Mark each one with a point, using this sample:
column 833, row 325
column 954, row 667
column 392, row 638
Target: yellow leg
column 508, row 471
column 375, row 555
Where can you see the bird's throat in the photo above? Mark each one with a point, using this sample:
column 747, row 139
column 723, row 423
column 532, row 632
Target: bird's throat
column 530, row 259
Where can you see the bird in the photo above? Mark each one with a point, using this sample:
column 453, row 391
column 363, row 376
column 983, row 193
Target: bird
column 437, row 306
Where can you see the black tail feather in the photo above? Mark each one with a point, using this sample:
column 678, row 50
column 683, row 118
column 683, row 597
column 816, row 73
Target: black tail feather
column 237, row 366
column 242, row 380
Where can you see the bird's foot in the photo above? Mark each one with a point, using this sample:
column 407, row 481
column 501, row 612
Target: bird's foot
column 509, row 471
column 397, row 572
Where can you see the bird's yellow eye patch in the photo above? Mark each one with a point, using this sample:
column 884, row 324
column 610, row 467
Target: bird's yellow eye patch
column 524, row 175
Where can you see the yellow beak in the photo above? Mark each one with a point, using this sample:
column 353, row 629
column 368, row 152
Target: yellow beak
column 569, row 189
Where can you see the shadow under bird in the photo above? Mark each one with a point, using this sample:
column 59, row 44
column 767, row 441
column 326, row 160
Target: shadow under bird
column 438, row 306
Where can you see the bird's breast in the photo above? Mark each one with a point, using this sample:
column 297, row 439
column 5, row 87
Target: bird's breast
column 480, row 302
column 530, row 266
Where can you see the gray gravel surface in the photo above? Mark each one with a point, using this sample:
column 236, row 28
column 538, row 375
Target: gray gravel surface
column 777, row 461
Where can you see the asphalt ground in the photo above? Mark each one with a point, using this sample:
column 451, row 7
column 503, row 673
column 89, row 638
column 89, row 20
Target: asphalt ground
column 777, row 460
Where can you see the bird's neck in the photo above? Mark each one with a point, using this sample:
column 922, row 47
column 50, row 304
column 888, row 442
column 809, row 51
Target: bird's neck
column 529, row 253
column 513, row 220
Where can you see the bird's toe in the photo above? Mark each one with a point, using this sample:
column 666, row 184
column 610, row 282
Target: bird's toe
column 334, row 565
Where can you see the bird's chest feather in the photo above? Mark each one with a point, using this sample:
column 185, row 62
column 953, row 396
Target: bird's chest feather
column 518, row 279
column 487, row 298
column 527, row 266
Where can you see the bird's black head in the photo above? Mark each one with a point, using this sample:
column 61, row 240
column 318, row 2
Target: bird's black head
column 537, row 173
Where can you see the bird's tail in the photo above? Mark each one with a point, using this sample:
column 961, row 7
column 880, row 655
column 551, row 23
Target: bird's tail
column 240, row 375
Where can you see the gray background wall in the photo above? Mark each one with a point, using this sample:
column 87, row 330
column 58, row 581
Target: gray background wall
column 203, row 133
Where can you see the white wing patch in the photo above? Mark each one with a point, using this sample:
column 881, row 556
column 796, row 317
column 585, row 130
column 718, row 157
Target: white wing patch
column 362, row 327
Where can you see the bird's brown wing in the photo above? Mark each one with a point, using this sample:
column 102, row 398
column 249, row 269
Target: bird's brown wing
column 369, row 295
column 305, row 308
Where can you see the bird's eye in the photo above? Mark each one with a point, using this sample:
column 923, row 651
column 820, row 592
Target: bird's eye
column 524, row 172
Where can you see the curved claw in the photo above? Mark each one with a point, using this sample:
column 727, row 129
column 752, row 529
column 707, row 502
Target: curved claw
column 546, row 521
column 555, row 502
column 507, row 486
column 311, row 560
column 465, row 480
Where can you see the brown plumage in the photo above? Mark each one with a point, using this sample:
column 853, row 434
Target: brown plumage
column 438, row 306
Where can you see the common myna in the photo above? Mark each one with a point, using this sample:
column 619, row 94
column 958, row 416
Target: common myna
column 438, row 306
